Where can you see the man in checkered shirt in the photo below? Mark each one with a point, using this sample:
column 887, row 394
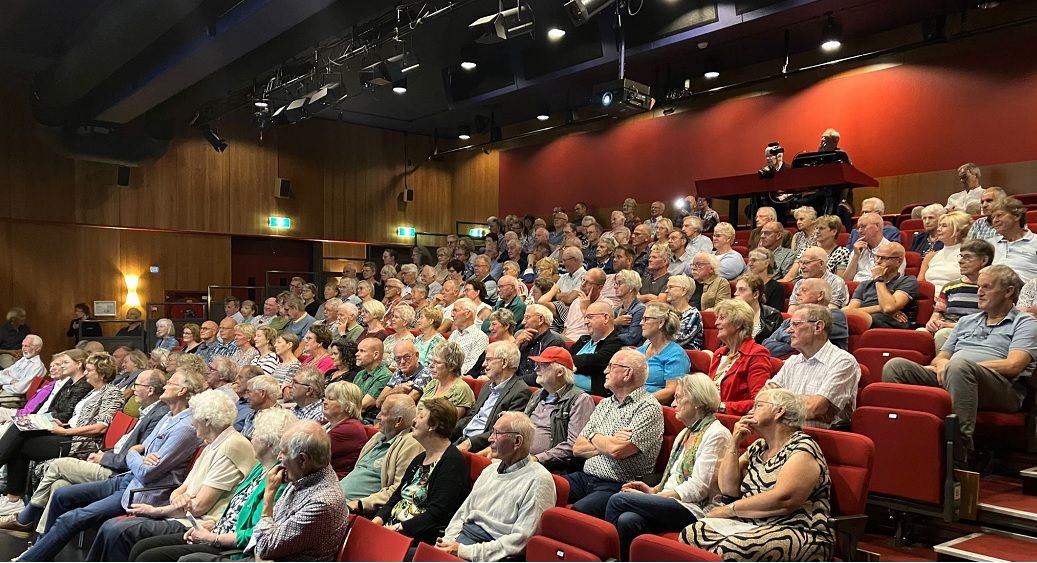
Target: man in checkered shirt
column 622, row 438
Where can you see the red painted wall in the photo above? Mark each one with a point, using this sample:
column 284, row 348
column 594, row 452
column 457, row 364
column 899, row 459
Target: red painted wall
column 916, row 117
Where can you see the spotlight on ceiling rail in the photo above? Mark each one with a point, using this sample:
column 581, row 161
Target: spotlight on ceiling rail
column 504, row 25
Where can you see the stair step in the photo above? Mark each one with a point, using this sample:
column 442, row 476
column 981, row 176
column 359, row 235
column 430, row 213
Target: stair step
column 1005, row 496
column 1029, row 477
column 989, row 545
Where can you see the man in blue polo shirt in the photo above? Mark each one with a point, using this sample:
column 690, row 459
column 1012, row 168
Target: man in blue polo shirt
column 988, row 358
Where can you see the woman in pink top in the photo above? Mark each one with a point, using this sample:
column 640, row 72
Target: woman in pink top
column 315, row 349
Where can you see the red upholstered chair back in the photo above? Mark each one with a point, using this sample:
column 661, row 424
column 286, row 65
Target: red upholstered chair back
column 926, row 302
column 911, row 224
column 710, row 340
column 476, row 464
column 843, row 238
column 38, row 382
column 776, row 364
column 671, row 427
column 655, row 548
column 475, row 384
column 567, row 535
column 913, row 262
column 896, row 339
column 561, row 490
column 742, row 237
column 743, row 250
column 121, row 424
column 850, row 458
column 699, row 360
column 857, row 326
column 426, row 552
column 874, row 359
column 906, row 423
column 371, row 431
column 368, row 541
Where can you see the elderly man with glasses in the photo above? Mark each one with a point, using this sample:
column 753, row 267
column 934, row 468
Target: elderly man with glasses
column 813, row 265
column 622, row 438
column 887, row 299
column 824, row 376
column 503, row 392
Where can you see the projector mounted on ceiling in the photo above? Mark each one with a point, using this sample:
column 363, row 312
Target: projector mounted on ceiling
column 624, row 97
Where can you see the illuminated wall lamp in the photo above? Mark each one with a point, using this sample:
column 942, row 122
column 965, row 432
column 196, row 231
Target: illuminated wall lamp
column 132, row 282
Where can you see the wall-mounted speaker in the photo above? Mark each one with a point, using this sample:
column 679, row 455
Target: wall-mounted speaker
column 283, row 188
column 407, row 195
column 122, row 177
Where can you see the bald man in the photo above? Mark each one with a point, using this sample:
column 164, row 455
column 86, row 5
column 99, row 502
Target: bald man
column 593, row 351
column 887, row 299
column 813, row 264
column 862, row 252
column 508, row 298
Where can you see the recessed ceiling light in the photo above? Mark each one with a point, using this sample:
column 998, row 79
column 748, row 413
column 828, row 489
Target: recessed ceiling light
column 554, row 34
column 711, row 74
column 988, row 5
column 543, row 117
column 831, row 45
column 468, row 65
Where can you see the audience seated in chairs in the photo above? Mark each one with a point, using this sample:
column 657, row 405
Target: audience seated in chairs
column 806, row 230
column 689, row 481
column 504, row 507
column 887, row 298
column 709, row 288
column 307, row 392
column 621, row 440
column 987, row 359
column 928, row 240
column 812, row 265
column 653, row 282
column 559, row 411
column 824, row 377
column 467, row 335
column 436, row 481
column 959, row 298
column 690, row 333
column 731, row 263
column 697, row 242
column 864, row 251
column 981, row 228
column 667, row 361
column 837, row 256
column 98, row 465
column 811, row 291
column 766, row 319
column 940, row 266
column 766, row 215
column 874, row 206
column 235, row 528
column 384, row 458
column 75, row 508
column 740, row 366
column 222, row 465
column 771, row 236
column 780, row 486
column 630, row 309
column 372, row 377
column 503, row 392
column 534, row 338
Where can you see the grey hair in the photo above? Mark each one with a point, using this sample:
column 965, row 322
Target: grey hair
column 312, row 378
column 406, row 312
column 810, row 212
column 307, row 437
column 226, row 368
column 698, row 389
column 630, row 279
column 506, row 351
column 1006, row 277
column 451, row 355
column 266, row 384
column 826, row 288
column 795, row 413
column 520, row 423
column 166, row 323
column 663, row 250
column 347, row 395
column 639, row 365
column 739, row 313
column 671, row 320
column 505, row 317
column 213, row 409
column 714, row 261
column 270, row 424
column 191, row 362
column 466, row 304
column 374, row 308
column 696, row 222
column 684, row 281
column 543, row 311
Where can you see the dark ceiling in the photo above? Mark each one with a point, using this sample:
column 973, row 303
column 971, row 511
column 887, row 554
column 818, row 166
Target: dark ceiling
column 208, row 54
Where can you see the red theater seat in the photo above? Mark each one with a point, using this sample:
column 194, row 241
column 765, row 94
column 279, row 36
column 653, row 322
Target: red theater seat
column 850, row 460
column 926, row 302
column 426, row 552
column 567, row 535
column 911, row 224
column 857, row 326
column 476, row 464
column 561, row 491
column 911, row 426
column 896, row 339
column 655, row 548
column 671, row 427
column 710, row 340
column 368, row 541
column 699, row 360
column 121, row 424
column 475, row 384
column 913, row 262
column 874, row 359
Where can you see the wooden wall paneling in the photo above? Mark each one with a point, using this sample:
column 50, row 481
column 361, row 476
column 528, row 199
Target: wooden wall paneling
column 476, row 186
column 934, row 187
column 301, row 158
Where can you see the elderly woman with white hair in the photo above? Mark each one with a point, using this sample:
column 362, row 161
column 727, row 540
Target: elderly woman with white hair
column 689, row 481
column 234, row 529
column 206, row 491
column 630, row 310
column 446, row 381
column 731, row 262
column 401, row 320
column 344, row 427
column 928, row 240
column 806, row 229
column 164, row 331
column 679, row 289
column 780, row 485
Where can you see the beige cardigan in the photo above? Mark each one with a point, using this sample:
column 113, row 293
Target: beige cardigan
column 402, row 451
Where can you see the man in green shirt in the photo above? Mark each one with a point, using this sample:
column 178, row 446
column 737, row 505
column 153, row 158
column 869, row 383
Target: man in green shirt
column 507, row 289
column 372, row 377
column 384, row 459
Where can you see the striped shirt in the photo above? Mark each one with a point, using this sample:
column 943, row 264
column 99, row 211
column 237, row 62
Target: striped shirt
column 957, row 299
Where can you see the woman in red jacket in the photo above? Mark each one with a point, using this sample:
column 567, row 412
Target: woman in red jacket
column 740, row 367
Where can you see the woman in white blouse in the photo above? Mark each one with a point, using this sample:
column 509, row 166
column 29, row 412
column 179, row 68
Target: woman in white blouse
column 941, row 267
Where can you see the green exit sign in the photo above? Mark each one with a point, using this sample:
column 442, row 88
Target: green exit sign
column 405, row 231
column 280, row 222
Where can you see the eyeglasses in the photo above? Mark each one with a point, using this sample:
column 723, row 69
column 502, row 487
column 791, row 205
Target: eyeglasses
column 805, row 261
column 403, row 358
column 496, row 432
column 611, row 366
column 294, row 382
column 590, row 315
column 757, row 404
column 879, row 257
column 796, row 323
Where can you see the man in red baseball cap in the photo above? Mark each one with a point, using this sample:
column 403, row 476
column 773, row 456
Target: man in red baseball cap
column 558, row 412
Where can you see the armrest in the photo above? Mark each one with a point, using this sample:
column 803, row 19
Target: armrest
column 848, row 530
column 133, row 492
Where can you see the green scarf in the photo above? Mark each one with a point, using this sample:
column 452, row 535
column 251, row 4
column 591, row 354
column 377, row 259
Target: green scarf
column 687, row 459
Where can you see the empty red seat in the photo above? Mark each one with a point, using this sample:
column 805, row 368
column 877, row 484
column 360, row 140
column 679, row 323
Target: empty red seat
column 874, row 359
column 926, row 302
column 843, row 238
column 912, row 427
column 561, row 490
column 857, row 326
column 743, row 250
column 911, row 224
column 656, row 548
column 567, row 535
column 671, row 427
column 896, row 339
column 368, row 541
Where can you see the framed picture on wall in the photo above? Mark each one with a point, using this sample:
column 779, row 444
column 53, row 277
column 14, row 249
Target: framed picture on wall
column 104, row 309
